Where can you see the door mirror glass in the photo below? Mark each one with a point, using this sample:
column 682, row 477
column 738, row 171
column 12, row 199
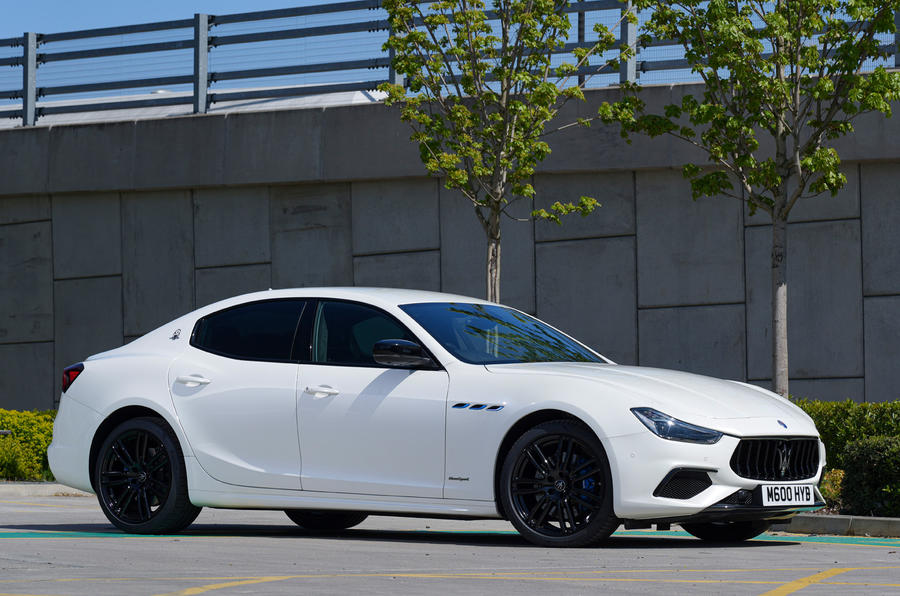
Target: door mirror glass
column 401, row 353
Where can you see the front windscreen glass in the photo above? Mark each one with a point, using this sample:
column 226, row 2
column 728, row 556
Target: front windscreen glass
column 492, row 334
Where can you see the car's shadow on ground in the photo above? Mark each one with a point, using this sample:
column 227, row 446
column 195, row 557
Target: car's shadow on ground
column 460, row 538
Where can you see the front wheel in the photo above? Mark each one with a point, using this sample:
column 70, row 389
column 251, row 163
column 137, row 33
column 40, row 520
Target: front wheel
column 727, row 531
column 556, row 488
column 140, row 479
column 325, row 521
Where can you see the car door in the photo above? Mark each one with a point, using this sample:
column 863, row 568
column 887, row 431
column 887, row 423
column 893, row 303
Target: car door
column 235, row 391
column 366, row 428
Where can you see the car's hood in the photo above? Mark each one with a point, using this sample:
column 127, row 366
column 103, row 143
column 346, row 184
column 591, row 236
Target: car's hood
column 680, row 394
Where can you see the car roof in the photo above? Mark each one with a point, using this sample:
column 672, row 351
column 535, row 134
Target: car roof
column 385, row 297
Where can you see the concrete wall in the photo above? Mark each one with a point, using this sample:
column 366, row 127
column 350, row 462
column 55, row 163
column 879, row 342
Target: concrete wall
column 109, row 230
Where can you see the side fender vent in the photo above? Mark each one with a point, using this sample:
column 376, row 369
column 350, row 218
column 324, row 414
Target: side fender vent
column 467, row 406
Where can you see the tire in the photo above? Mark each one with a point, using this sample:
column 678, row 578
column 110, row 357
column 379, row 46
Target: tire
column 727, row 531
column 140, row 479
column 325, row 521
column 556, row 488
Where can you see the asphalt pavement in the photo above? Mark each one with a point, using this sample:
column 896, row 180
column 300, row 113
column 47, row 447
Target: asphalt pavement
column 64, row 545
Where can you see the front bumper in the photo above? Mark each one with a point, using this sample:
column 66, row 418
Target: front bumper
column 750, row 509
column 640, row 461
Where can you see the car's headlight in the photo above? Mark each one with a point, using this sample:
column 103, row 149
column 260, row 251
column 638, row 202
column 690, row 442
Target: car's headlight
column 663, row 425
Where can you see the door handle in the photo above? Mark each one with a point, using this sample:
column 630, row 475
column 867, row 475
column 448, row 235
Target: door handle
column 321, row 391
column 192, row 380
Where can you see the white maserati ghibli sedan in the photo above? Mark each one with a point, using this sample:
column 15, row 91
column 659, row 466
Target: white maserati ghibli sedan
column 335, row 403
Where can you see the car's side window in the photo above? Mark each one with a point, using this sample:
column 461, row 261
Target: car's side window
column 256, row 331
column 346, row 332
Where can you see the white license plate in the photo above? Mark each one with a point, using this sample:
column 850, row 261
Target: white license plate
column 787, row 494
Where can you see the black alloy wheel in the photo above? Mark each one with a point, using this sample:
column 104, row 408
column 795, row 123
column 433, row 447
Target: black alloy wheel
column 325, row 521
column 737, row 531
column 556, row 488
column 140, row 478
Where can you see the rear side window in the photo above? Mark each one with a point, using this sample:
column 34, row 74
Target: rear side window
column 255, row 331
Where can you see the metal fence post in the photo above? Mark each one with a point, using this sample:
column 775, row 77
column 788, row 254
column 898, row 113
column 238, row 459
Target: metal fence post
column 897, row 39
column 581, row 78
column 29, row 78
column 393, row 77
column 628, row 37
column 201, row 62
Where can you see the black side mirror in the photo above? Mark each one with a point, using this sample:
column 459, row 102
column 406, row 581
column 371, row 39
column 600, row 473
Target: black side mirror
column 401, row 353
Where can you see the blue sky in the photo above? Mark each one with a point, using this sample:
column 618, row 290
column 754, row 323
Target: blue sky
column 52, row 16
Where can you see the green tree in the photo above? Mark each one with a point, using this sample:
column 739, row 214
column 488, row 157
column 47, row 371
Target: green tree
column 482, row 89
column 782, row 81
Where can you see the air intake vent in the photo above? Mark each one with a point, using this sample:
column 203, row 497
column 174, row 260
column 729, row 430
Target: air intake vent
column 776, row 459
column 467, row 406
column 683, row 484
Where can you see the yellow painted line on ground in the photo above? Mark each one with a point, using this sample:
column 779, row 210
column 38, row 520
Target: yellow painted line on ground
column 859, row 584
column 243, row 582
column 30, row 504
column 568, row 576
column 799, row 584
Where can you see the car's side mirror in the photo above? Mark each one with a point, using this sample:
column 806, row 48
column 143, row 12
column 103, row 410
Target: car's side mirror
column 401, row 353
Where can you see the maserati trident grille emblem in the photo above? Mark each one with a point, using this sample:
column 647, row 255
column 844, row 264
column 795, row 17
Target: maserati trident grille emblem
column 783, row 452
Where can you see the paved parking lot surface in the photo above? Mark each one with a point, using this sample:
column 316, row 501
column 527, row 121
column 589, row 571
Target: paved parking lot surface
column 64, row 545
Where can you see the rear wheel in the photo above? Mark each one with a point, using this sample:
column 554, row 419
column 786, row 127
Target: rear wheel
column 556, row 488
column 727, row 531
column 140, row 478
column 325, row 521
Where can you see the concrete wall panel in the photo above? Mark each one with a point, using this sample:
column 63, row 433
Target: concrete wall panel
column 587, row 289
column 157, row 258
column 95, row 157
column 26, row 283
column 27, row 378
column 464, row 253
column 218, row 283
column 413, row 270
column 881, row 228
column 24, row 167
column 689, row 252
column 367, row 142
column 395, row 215
column 707, row 340
column 311, row 236
column 88, row 316
column 882, row 339
column 24, row 209
column 87, row 235
column 822, row 389
column 273, row 147
column 825, row 328
column 614, row 191
column 231, row 226
column 179, row 152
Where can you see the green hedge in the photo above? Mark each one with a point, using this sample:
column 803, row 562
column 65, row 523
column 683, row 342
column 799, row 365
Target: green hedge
column 871, row 483
column 842, row 422
column 23, row 454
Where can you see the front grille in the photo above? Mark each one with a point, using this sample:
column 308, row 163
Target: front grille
column 776, row 459
column 683, row 484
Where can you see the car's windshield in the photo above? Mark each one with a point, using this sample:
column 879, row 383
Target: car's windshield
column 491, row 334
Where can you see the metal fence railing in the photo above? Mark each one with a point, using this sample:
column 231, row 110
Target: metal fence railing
column 270, row 54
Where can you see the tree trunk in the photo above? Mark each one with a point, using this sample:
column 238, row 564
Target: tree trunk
column 779, row 306
column 493, row 256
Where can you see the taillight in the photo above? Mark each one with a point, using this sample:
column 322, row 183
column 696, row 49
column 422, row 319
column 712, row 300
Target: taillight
column 70, row 373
